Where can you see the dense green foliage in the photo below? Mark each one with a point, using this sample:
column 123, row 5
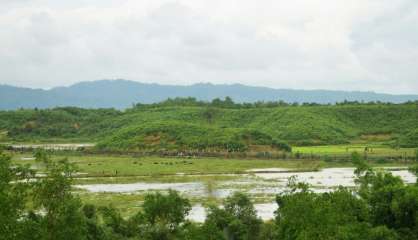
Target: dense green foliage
column 54, row 213
column 12, row 197
column 410, row 138
column 69, row 122
column 335, row 215
column 222, row 125
column 237, row 220
column 382, row 207
column 183, row 136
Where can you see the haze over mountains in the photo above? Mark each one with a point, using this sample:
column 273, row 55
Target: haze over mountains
column 123, row 93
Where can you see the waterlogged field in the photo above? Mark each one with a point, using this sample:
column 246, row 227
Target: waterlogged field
column 123, row 181
column 262, row 185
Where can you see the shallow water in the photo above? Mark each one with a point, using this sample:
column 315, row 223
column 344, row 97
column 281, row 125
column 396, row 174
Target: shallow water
column 259, row 184
column 269, row 170
column 192, row 188
column 330, row 177
column 197, row 213
column 266, row 210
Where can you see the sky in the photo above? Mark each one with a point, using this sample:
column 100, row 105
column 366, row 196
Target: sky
column 367, row 45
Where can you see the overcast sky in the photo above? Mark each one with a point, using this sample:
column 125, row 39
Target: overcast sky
column 369, row 45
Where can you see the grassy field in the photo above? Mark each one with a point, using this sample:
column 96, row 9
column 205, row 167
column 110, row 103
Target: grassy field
column 372, row 149
column 129, row 166
column 128, row 204
column 103, row 166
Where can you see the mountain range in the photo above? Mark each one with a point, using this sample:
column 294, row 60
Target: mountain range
column 122, row 94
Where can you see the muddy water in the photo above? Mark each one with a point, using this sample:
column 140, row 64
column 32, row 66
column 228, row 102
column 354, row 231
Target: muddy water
column 260, row 184
column 192, row 188
column 255, row 183
column 330, row 177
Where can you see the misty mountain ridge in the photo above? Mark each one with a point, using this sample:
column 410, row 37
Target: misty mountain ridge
column 122, row 94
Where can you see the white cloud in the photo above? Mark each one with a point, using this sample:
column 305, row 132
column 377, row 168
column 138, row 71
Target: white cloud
column 310, row 44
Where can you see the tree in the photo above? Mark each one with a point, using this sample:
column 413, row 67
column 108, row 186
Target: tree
column 238, row 220
column 94, row 229
column 360, row 163
column 163, row 214
column 416, row 155
column 382, row 233
column 209, row 114
column 163, row 217
column 115, row 226
column 63, row 217
column 14, row 187
column 228, row 102
column 335, row 215
column 393, row 204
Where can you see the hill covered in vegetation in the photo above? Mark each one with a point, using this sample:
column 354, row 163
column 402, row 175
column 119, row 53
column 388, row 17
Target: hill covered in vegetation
column 188, row 124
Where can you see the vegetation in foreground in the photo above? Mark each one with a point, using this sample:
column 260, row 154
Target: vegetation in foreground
column 382, row 207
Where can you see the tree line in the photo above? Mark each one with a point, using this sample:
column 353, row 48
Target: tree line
column 228, row 102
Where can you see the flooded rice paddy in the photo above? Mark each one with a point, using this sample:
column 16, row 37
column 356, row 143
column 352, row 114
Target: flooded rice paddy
column 262, row 185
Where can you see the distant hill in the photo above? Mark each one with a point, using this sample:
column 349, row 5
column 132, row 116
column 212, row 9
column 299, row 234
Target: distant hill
column 121, row 94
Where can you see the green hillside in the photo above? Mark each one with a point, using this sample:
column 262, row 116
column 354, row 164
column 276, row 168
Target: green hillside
column 217, row 126
column 60, row 123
